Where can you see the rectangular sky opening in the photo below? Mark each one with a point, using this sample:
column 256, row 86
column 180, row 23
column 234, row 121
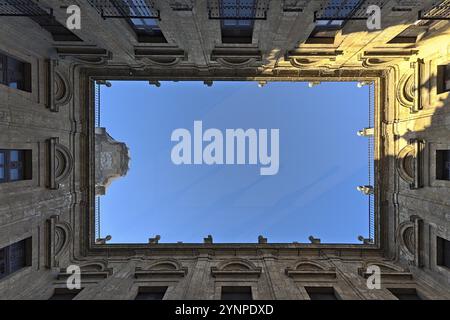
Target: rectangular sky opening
column 282, row 160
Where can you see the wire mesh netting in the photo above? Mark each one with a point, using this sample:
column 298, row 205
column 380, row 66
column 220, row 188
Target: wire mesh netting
column 371, row 163
column 97, row 125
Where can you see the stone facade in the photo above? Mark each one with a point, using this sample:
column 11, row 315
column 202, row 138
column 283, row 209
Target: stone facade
column 56, row 122
column 111, row 162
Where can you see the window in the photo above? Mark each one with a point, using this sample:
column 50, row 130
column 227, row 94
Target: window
column 321, row 293
column 15, row 165
column 64, row 294
column 15, row 73
column 409, row 35
column 323, row 34
column 47, row 21
column 331, row 19
column 443, row 165
column 447, row 78
column 443, row 78
column 15, row 257
column 56, row 29
column 405, row 293
column 237, row 30
column 443, row 252
column 237, row 293
column 147, row 29
column 151, row 293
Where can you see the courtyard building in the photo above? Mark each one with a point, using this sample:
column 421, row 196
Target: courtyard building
column 56, row 161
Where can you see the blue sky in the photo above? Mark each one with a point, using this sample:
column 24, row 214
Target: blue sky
column 322, row 160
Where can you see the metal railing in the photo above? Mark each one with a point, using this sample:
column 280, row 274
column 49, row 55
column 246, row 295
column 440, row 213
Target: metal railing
column 438, row 11
column 23, row 8
column 238, row 9
column 134, row 9
column 344, row 10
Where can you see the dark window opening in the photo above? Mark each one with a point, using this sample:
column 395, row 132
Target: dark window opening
column 56, row 29
column 15, row 165
column 443, row 252
column 236, row 293
column 322, row 35
column 64, row 294
column 237, row 30
column 331, row 19
column 15, row 257
column 405, row 293
column 321, row 293
column 147, row 30
column 443, row 165
column 237, row 34
column 336, row 13
column 15, row 73
column 151, row 293
column 409, row 35
column 443, row 78
column 447, row 78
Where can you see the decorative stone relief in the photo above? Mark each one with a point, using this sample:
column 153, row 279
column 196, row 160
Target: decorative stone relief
column 307, row 62
column 164, row 56
column 406, row 163
column 60, row 163
column 90, row 271
column 236, row 62
column 163, row 61
column 165, row 268
column 62, row 91
column 85, row 54
column 236, row 268
column 62, row 234
column 236, row 57
column 59, row 235
column 369, row 62
column 408, row 236
column 96, row 266
column 311, row 271
column 59, row 90
column 111, row 160
column 405, row 90
column 409, row 88
column 384, row 58
column 418, row 66
column 410, row 163
column 389, row 271
column 311, row 58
